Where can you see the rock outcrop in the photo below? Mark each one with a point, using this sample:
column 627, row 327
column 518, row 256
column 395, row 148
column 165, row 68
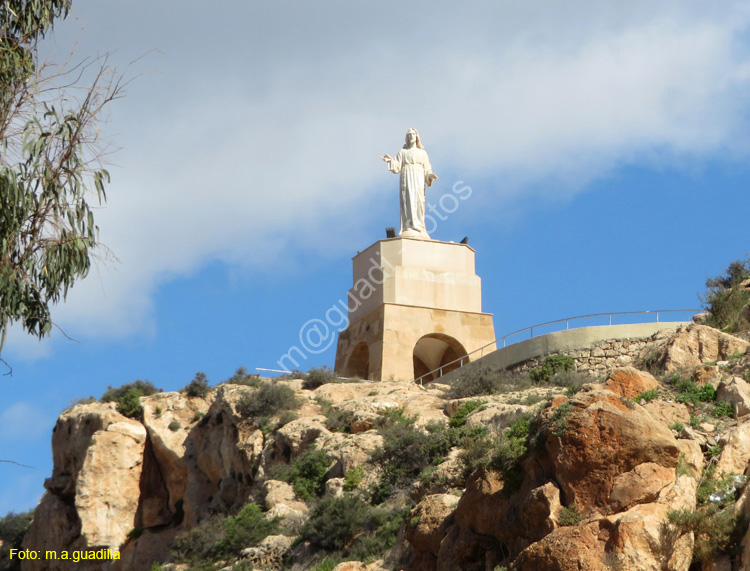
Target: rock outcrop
column 599, row 473
column 692, row 346
column 93, row 494
column 600, row 459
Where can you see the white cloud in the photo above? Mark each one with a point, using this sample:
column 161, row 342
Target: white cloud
column 263, row 131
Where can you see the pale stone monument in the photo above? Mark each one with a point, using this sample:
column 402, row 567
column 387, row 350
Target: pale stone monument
column 413, row 164
column 416, row 303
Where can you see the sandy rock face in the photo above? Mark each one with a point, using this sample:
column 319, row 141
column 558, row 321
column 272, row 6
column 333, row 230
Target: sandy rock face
column 603, row 438
column 668, row 412
column 735, row 455
column 598, row 453
column 566, row 549
column 428, row 522
column 630, row 382
column 695, row 345
column 93, row 495
column 368, row 400
column 737, row 392
column 113, row 474
column 640, row 485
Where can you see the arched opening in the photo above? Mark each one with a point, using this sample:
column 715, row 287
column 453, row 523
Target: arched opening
column 437, row 350
column 359, row 362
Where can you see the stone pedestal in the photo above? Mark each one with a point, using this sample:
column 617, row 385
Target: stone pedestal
column 415, row 305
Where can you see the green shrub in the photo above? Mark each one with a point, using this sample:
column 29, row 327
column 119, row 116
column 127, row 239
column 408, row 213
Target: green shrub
column 384, row 526
column 459, row 418
column 306, row 473
column 353, row 478
column 532, row 399
column 128, row 397
column 569, row 516
column 350, row 527
column 648, row 396
column 246, row 529
column 338, row 420
column 406, row 451
column 220, row 538
column 394, row 416
column 690, row 393
column 316, row 377
column 145, row 388
column 242, row 377
column 130, row 404
column 550, row 367
column 12, row 529
column 198, row 415
column 83, row 400
column 267, row 400
column 711, row 482
column 714, row 451
column 506, row 453
column 500, row 454
column 677, row 426
column 285, row 418
column 715, row 531
column 724, row 299
column 723, row 409
column 174, row 426
column 335, row 522
column 475, row 453
column 478, row 381
column 198, row 387
column 559, row 419
column 520, row 427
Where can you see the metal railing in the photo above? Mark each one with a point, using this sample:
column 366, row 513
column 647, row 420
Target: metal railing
column 420, row 380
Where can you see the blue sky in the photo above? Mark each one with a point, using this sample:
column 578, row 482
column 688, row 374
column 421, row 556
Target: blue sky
column 607, row 148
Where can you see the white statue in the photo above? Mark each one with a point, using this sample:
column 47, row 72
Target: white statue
column 414, row 165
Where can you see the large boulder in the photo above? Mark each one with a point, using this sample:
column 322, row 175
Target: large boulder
column 737, row 392
column 566, row 549
column 597, row 454
column 735, row 454
column 211, row 461
column 428, row 521
column 595, row 438
column 93, row 495
column 630, row 382
column 694, row 345
column 638, row 538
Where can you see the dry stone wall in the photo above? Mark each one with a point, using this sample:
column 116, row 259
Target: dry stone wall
column 597, row 359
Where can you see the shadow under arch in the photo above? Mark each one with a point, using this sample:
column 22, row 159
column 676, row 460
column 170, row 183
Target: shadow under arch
column 436, row 350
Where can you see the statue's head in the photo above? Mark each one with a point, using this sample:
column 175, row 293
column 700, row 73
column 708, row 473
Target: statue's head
column 412, row 135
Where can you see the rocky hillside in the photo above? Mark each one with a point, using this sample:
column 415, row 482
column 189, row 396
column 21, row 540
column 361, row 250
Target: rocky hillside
column 642, row 469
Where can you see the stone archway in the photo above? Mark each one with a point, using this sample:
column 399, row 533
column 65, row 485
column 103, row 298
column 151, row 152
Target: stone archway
column 437, row 350
column 359, row 362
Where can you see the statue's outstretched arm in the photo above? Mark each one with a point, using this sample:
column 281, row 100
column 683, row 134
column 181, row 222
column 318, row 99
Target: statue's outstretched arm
column 394, row 164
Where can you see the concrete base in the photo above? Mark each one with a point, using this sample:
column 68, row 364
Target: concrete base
column 415, row 306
